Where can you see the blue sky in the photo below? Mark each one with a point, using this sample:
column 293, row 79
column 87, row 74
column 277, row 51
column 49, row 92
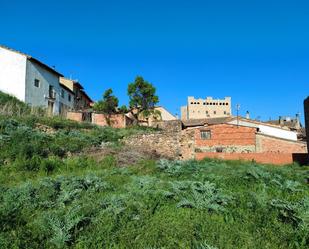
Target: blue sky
column 257, row 52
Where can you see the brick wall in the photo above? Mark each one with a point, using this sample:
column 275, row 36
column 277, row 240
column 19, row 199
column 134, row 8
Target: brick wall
column 267, row 158
column 116, row 120
column 76, row 116
column 306, row 111
column 266, row 143
column 226, row 138
column 225, row 134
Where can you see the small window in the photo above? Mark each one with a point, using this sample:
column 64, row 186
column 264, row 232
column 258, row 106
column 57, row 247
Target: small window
column 224, row 112
column 226, row 103
column 192, row 103
column 215, row 112
column 205, row 135
column 62, row 93
column 69, row 97
column 206, row 112
column 37, row 83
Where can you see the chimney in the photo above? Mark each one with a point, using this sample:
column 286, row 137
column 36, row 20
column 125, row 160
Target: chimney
column 280, row 120
column 247, row 115
column 297, row 125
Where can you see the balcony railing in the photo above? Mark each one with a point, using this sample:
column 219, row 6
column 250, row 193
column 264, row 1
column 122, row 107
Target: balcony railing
column 51, row 94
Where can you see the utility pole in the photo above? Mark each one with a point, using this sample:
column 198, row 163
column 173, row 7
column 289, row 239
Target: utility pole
column 237, row 109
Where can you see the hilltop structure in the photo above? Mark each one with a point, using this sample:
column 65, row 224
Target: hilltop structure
column 34, row 82
column 206, row 108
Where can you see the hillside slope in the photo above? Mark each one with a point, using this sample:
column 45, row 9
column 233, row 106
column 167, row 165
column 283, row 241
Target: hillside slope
column 56, row 193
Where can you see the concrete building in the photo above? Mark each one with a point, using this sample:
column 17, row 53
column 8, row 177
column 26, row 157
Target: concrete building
column 206, row 108
column 81, row 99
column 33, row 82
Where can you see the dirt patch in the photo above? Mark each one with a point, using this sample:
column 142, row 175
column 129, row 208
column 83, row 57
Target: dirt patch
column 125, row 155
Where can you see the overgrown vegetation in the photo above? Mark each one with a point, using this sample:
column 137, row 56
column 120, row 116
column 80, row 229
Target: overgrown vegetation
column 53, row 196
column 50, row 199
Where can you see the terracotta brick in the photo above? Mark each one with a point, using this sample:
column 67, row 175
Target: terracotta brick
column 76, row 116
column 267, row 158
column 225, row 134
column 276, row 145
column 116, row 120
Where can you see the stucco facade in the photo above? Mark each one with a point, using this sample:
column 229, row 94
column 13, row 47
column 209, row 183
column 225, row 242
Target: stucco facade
column 206, row 108
column 33, row 82
column 13, row 73
column 81, row 99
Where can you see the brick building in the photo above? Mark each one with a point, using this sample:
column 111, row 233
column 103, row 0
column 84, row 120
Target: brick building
column 229, row 141
column 218, row 138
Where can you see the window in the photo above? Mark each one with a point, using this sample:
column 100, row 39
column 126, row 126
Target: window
column 69, row 97
column 224, row 112
column 205, row 135
column 62, row 93
column 215, row 112
column 226, row 103
column 206, row 112
column 37, row 83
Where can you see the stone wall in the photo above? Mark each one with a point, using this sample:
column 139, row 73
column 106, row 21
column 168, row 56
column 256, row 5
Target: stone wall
column 226, row 142
column 171, row 126
column 165, row 144
column 168, row 144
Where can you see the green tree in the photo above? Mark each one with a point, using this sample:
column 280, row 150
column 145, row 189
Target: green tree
column 123, row 109
column 109, row 103
column 143, row 98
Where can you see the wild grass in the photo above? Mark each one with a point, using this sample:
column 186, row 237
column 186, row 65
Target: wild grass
column 53, row 197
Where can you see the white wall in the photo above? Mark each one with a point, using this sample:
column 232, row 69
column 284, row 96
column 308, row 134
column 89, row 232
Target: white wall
column 12, row 73
column 165, row 115
column 37, row 96
column 269, row 130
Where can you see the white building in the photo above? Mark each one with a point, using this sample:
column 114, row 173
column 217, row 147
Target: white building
column 33, row 82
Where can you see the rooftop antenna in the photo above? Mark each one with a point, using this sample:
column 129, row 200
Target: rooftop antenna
column 237, row 109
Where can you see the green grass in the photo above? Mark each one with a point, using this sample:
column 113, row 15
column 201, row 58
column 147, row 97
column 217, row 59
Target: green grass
column 54, row 197
column 164, row 204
